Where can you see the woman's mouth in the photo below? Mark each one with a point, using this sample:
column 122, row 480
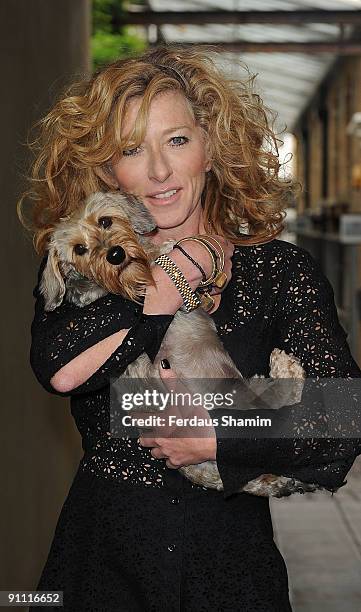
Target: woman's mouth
column 166, row 197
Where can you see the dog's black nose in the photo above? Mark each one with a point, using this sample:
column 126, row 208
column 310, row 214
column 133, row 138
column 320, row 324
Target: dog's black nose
column 116, row 255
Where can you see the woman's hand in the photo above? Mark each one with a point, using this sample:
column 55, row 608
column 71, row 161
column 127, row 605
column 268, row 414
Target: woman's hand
column 181, row 444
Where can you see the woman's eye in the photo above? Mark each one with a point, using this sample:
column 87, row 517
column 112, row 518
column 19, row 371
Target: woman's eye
column 178, row 141
column 80, row 249
column 129, row 152
column 105, row 222
column 183, row 140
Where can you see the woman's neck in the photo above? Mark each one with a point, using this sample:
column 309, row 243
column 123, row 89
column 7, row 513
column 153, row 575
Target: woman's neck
column 190, row 228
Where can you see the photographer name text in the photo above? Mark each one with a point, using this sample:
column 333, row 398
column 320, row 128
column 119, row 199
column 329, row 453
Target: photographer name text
column 194, row 421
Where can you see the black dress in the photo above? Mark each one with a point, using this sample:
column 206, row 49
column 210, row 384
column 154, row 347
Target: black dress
column 134, row 535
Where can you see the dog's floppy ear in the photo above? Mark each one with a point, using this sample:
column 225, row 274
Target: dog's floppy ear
column 140, row 218
column 52, row 285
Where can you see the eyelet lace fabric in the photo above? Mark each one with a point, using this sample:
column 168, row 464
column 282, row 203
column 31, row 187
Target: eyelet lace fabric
column 278, row 297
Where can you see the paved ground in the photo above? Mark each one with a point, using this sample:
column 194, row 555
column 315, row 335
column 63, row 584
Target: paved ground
column 319, row 536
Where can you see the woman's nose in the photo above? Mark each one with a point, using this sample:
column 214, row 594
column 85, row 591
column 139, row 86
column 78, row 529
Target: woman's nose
column 159, row 167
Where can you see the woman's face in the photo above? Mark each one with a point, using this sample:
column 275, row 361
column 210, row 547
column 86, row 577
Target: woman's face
column 167, row 171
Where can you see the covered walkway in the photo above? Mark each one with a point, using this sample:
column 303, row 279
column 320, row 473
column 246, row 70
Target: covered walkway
column 319, row 536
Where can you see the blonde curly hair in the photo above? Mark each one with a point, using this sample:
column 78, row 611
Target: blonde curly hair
column 81, row 135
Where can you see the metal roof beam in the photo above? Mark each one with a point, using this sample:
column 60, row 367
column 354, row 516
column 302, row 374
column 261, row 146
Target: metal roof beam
column 340, row 48
column 241, row 17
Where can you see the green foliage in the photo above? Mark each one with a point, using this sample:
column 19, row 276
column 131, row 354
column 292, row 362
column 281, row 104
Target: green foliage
column 107, row 47
column 110, row 40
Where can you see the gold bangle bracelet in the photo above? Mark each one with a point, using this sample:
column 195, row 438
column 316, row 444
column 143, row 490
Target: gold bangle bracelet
column 220, row 253
column 214, row 272
column 221, row 277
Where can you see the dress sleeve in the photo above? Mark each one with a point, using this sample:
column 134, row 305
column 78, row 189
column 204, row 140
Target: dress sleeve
column 306, row 324
column 60, row 335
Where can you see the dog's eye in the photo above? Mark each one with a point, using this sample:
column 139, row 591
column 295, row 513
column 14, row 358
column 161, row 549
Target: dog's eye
column 80, row 249
column 105, row 222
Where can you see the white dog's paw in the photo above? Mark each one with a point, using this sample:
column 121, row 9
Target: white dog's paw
column 283, row 365
column 269, row 485
column 205, row 474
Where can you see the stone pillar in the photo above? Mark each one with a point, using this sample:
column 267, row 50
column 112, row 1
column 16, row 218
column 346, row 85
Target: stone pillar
column 44, row 44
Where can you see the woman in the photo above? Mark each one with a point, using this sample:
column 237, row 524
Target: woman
column 133, row 534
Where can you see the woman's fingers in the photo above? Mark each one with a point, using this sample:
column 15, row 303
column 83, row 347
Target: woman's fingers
column 184, row 407
column 171, row 465
column 157, row 453
column 170, row 379
column 179, row 391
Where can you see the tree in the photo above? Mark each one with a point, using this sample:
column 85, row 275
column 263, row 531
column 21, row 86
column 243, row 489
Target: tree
column 110, row 40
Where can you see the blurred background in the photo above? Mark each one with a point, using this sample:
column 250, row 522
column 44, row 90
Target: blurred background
column 307, row 57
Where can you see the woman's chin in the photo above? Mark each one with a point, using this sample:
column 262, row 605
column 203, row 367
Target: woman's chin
column 169, row 224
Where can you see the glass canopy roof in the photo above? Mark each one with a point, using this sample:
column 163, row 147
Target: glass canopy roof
column 286, row 81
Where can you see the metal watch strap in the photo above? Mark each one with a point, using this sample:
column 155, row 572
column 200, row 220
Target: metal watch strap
column 191, row 300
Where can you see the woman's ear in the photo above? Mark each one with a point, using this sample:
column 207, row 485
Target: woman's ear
column 106, row 174
column 208, row 163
